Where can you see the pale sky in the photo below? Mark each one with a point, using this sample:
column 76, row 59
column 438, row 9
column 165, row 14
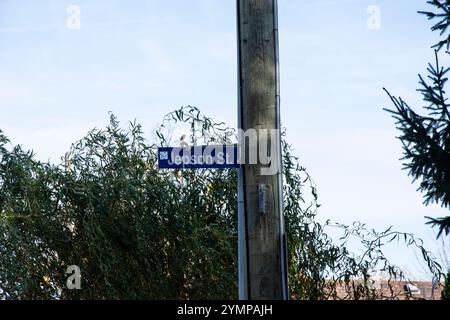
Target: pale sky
column 143, row 59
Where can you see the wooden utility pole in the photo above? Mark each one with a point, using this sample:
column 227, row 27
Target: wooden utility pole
column 262, row 249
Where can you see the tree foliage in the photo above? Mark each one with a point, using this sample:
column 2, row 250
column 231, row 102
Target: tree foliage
column 426, row 138
column 445, row 294
column 138, row 232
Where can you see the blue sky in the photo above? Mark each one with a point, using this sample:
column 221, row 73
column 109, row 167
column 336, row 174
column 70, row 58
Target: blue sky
column 142, row 59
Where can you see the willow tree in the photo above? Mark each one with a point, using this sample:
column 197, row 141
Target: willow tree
column 137, row 232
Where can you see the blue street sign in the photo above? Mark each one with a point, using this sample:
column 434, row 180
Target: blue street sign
column 197, row 157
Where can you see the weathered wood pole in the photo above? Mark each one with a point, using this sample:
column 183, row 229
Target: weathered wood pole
column 262, row 250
